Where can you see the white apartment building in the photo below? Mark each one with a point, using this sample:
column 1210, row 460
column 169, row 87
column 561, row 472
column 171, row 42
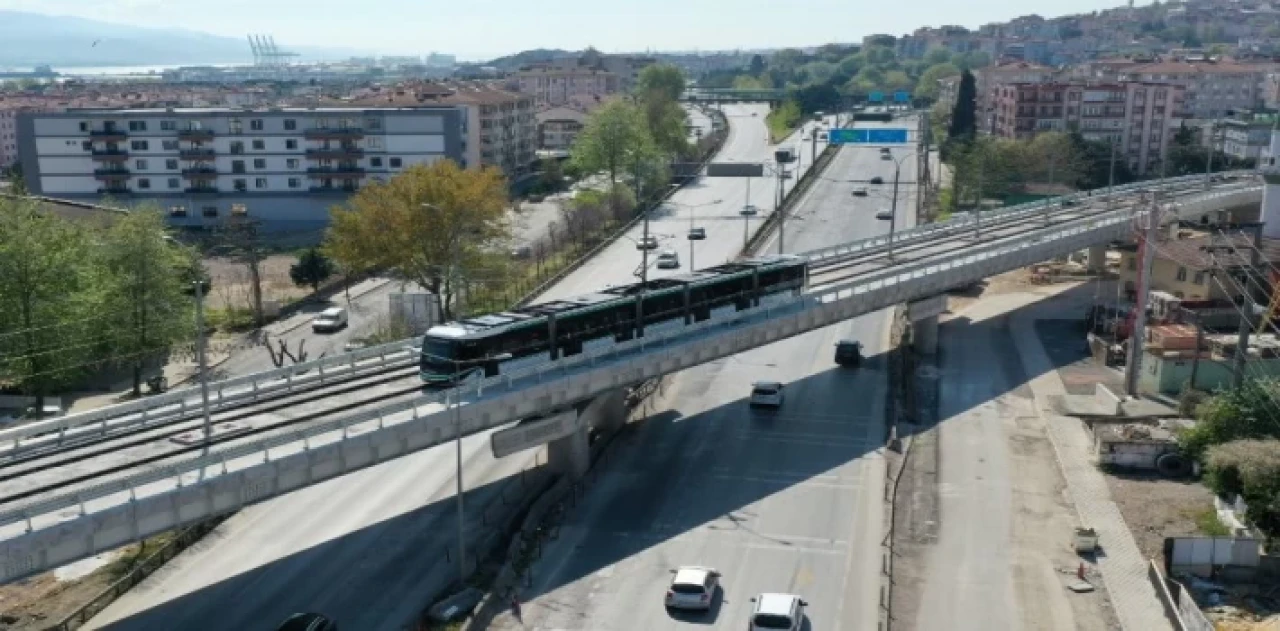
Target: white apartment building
column 553, row 85
column 1212, row 89
column 284, row 166
column 558, row 127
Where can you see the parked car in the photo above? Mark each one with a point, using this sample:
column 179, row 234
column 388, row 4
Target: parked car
column 859, row 191
column 697, row 234
column 647, row 243
column 884, row 215
column 848, row 352
column 777, row 612
column 692, row 587
column 668, row 259
column 329, row 320
column 766, row 394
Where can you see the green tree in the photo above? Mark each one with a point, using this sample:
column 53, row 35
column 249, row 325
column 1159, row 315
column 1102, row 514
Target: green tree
column 1054, row 158
column 783, row 119
column 660, row 81
column 312, row 269
column 614, row 139
column 1099, row 167
column 744, row 82
column 1247, row 412
column 927, row 87
column 938, row 56
column 552, row 175
column 896, row 80
column 757, row 65
column 436, row 225
column 658, row 90
column 964, row 121
column 45, row 335
column 144, row 307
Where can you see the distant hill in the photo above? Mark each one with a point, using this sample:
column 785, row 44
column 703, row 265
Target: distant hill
column 526, row 57
column 29, row 39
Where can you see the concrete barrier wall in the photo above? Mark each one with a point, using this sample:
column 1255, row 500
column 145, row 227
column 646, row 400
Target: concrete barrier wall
column 1108, row 401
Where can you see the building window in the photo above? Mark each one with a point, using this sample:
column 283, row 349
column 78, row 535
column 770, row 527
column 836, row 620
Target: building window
column 395, row 163
column 209, row 211
column 291, row 163
column 259, row 145
column 1199, row 278
column 1182, row 274
column 87, row 145
column 260, row 163
column 237, row 126
column 170, row 126
column 260, row 182
column 140, row 165
column 139, row 145
column 239, row 210
column 237, row 166
column 169, row 145
column 177, row 211
column 290, row 144
column 237, row 147
column 144, row 183
column 171, row 164
column 373, row 142
column 375, row 162
column 174, row 182
column 84, row 125
column 137, row 125
column 373, row 124
column 290, row 124
column 295, row 182
column 255, row 124
column 240, row 184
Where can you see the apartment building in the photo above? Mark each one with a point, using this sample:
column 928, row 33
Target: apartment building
column 1243, row 138
column 1213, row 89
column 985, row 79
column 284, row 166
column 552, row 86
column 8, row 137
column 1140, row 118
column 558, row 127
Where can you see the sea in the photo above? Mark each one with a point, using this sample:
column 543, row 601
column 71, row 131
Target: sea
column 101, row 72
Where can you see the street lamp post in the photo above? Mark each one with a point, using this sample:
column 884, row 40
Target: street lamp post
column 204, row 369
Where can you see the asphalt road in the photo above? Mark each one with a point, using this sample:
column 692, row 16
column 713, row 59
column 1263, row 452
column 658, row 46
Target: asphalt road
column 367, row 547
column 785, row 501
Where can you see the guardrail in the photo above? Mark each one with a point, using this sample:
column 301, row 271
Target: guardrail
column 226, row 479
column 964, row 223
column 222, row 394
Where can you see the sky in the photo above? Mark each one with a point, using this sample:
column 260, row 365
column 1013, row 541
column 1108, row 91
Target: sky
column 482, row 29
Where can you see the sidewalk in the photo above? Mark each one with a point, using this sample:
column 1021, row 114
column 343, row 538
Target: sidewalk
column 1124, row 570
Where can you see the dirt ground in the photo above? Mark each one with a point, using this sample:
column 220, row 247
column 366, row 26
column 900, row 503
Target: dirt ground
column 1156, row 508
column 231, row 287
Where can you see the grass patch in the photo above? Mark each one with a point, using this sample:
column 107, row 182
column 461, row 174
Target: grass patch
column 135, row 554
column 1209, row 524
column 783, row 120
column 230, row 320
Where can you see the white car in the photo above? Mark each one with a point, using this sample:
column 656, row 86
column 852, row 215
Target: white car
column 668, row 259
column 647, row 243
column 692, row 587
column 777, row 612
column 766, row 393
column 331, row 319
column 886, row 156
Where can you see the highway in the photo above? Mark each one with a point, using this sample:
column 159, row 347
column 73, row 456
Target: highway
column 367, row 547
column 787, row 501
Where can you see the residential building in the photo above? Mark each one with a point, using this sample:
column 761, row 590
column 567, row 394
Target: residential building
column 554, row 85
column 283, row 166
column 1213, row 89
column 1245, row 138
column 1140, row 118
column 948, row 90
column 558, row 127
column 986, row 79
column 8, row 137
column 1271, row 91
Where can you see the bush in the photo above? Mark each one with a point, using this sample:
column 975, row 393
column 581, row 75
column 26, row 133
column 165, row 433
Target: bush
column 1251, row 469
column 1247, row 412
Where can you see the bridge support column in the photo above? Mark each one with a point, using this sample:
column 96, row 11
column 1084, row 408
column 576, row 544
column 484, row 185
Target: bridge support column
column 925, row 332
column 1098, row 258
column 571, row 455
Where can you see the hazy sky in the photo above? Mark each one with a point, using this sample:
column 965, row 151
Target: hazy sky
column 479, row 29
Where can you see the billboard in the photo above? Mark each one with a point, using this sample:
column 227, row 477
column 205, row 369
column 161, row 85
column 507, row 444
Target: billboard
column 868, row 136
column 876, row 97
column 901, row 97
column 735, row 169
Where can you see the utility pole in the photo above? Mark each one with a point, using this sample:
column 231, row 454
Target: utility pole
column 893, row 205
column 203, row 366
column 1246, row 309
column 782, row 217
column 1195, row 360
column 1208, row 153
column 813, row 147
column 1146, row 252
column 977, row 207
column 1111, row 174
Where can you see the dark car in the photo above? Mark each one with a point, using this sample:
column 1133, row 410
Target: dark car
column 308, row 622
column 848, row 353
column 877, row 180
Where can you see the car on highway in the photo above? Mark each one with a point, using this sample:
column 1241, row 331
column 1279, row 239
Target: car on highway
column 697, row 234
column 859, row 191
column 848, row 352
column 692, row 587
column 647, row 243
column 668, row 259
column 884, row 150
column 330, row 320
column 766, row 394
column 884, row 215
column 877, row 180
column 886, row 156
column 822, row 136
column 307, row 622
column 777, row 612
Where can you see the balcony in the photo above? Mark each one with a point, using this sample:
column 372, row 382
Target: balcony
column 110, row 155
column 201, row 190
column 336, row 172
column 329, row 133
column 110, row 175
column 335, row 190
column 334, row 153
column 195, row 135
column 108, row 135
column 199, row 172
column 199, row 153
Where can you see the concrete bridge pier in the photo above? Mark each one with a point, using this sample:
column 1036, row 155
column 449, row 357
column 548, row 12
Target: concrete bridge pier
column 1098, row 258
column 925, row 335
column 571, row 455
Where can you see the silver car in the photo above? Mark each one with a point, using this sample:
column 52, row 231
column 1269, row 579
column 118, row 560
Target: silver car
column 693, row 587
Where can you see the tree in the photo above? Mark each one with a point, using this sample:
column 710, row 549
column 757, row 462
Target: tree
column 241, row 240
column 613, row 140
column 756, row 66
column 938, row 56
column 897, row 80
column 1096, row 158
column 312, row 268
column 661, row 81
column 144, row 305
column 927, row 87
column 552, row 175
column 45, row 333
column 744, row 82
column 1251, row 469
column 964, row 122
column 1054, row 158
column 658, row 91
column 437, row 225
column 1247, row 412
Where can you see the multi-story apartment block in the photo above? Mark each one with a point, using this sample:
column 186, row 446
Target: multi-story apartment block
column 284, row 167
column 553, row 86
column 1244, row 138
column 1213, row 89
column 986, row 79
column 8, row 137
column 558, row 127
column 1140, row 118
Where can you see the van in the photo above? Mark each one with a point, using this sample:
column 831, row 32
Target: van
column 329, row 320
